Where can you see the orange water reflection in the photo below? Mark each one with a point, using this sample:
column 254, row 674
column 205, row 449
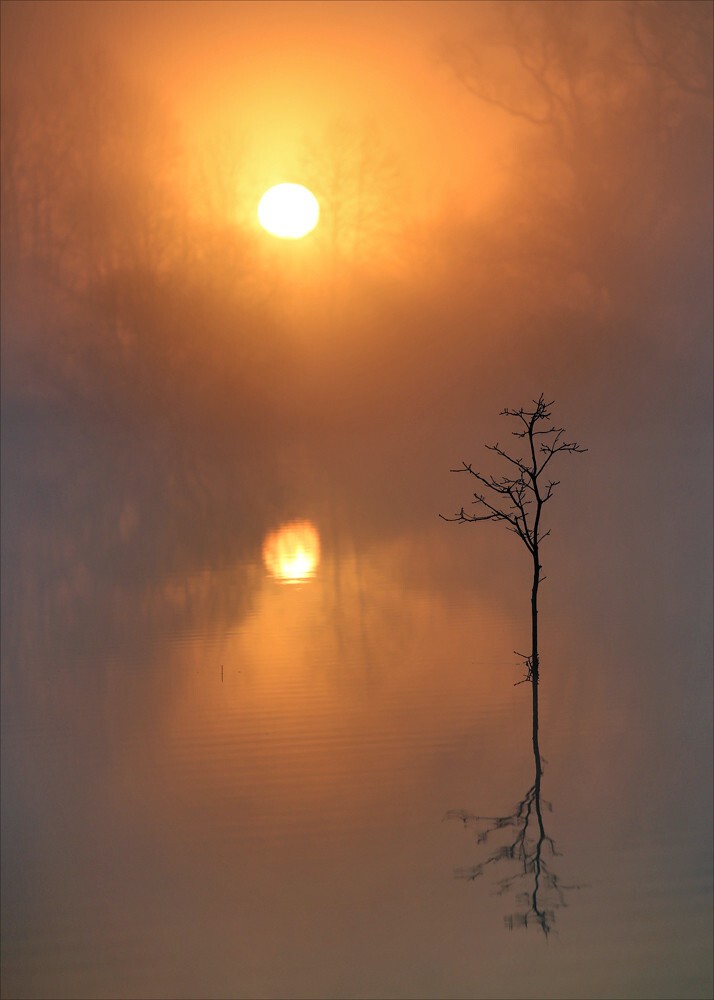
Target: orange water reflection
column 292, row 552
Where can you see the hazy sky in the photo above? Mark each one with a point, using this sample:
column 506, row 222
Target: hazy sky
column 540, row 196
column 277, row 73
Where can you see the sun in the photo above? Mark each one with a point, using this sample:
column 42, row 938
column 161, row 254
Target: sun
column 292, row 553
column 288, row 211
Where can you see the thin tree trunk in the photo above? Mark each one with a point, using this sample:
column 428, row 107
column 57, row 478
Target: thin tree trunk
column 534, row 655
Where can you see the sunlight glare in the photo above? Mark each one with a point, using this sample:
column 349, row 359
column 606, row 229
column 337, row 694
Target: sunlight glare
column 288, row 211
column 291, row 554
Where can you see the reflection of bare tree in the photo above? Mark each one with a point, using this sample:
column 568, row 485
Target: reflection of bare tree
column 519, row 500
column 529, row 850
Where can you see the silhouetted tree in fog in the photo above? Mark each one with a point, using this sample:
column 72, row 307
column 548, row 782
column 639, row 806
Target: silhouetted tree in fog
column 88, row 164
column 675, row 40
column 518, row 499
column 614, row 105
column 358, row 181
column 145, row 309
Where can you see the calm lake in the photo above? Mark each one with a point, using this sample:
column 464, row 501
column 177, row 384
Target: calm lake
column 240, row 762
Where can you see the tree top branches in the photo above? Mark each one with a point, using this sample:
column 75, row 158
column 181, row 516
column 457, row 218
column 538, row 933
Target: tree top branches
column 518, row 496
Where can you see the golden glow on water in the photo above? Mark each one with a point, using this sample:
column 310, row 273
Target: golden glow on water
column 322, row 688
column 292, row 553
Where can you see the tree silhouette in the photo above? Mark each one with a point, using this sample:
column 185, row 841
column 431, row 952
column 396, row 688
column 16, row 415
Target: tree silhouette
column 612, row 100
column 357, row 179
column 518, row 498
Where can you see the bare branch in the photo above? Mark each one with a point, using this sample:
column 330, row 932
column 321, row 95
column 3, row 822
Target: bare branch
column 518, row 462
column 521, row 488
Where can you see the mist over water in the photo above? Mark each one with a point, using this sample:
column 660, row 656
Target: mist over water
column 218, row 784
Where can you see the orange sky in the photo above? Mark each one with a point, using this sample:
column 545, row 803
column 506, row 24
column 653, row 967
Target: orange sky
column 276, row 74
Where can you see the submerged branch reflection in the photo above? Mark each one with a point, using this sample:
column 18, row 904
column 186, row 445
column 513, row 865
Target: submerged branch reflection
column 528, row 848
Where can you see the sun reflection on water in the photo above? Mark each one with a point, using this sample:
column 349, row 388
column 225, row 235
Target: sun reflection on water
column 291, row 553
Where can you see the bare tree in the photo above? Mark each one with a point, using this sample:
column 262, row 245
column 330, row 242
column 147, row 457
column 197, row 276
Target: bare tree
column 518, row 498
column 674, row 40
column 613, row 100
column 357, row 179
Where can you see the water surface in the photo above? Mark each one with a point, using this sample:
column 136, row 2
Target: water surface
column 220, row 784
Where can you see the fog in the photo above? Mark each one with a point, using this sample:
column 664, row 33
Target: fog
column 515, row 199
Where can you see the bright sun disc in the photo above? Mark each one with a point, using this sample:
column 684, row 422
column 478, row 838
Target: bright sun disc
column 292, row 553
column 288, row 211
